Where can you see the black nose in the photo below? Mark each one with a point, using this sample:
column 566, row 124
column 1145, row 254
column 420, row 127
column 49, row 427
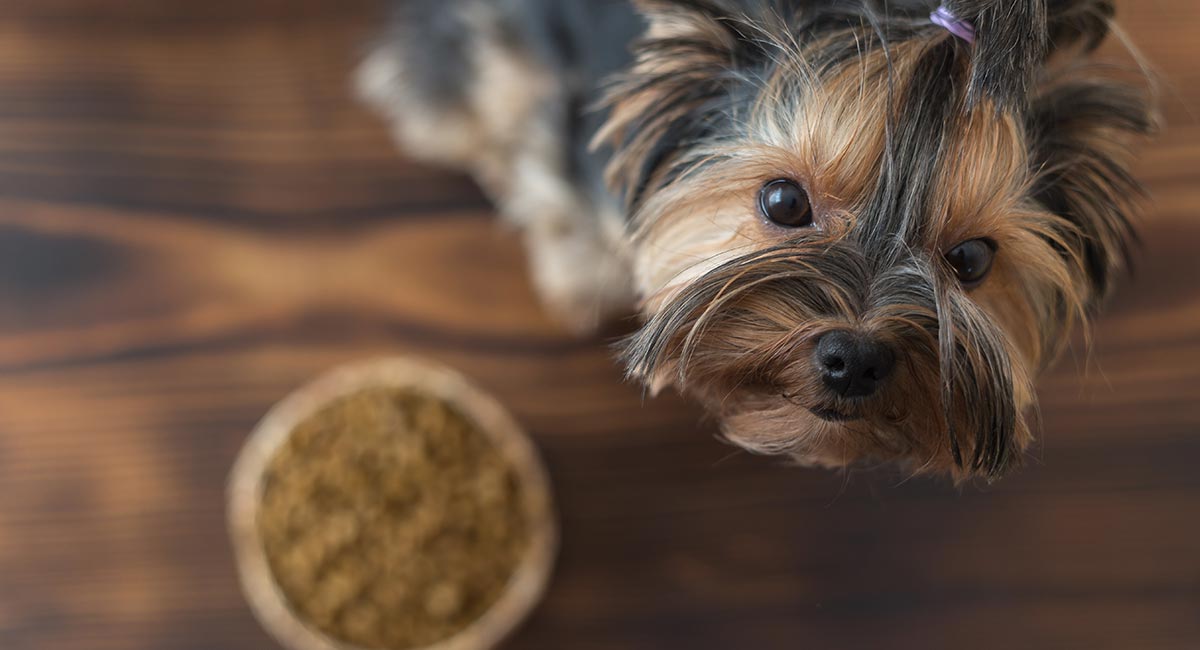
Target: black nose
column 853, row 365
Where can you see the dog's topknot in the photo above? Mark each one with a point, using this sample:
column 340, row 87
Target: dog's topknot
column 1012, row 42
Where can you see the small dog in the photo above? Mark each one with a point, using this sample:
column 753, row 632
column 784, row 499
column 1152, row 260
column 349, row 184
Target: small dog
column 856, row 230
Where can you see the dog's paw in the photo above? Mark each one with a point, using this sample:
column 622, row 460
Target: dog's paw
column 580, row 280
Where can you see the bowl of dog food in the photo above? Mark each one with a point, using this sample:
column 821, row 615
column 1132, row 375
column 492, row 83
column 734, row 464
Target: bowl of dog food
column 391, row 505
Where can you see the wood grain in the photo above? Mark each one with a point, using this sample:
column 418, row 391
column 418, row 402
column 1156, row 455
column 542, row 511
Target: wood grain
column 195, row 219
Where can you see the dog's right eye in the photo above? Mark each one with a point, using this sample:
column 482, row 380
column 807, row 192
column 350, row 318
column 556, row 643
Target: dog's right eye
column 785, row 203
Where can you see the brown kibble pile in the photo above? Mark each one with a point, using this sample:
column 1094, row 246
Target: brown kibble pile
column 390, row 521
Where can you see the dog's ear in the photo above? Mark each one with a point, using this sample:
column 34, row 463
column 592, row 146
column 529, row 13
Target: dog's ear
column 1082, row 127
column 713, row 19
column 1083, row 124
column 1084, row 22
column 694, row 71
column 739, row 30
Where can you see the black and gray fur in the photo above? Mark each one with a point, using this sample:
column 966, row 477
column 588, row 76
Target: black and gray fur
column 884, row 265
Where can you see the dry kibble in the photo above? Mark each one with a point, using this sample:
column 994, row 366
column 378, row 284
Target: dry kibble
column 390, row 521
column 444, row 601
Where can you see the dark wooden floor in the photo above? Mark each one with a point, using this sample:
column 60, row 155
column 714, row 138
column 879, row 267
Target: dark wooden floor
column 195, row 219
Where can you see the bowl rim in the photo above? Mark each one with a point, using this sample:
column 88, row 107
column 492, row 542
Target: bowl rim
column 530, row 577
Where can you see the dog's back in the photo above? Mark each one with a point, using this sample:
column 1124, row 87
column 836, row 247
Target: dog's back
column 463, row 79
column 507, row 91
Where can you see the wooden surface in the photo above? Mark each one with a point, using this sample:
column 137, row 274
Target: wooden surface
column 194, row 219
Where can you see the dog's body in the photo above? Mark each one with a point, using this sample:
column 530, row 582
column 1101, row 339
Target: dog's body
column 854, row 231
column 508, row 90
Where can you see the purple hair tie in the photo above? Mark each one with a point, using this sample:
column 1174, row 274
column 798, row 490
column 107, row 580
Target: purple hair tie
column 953, row 24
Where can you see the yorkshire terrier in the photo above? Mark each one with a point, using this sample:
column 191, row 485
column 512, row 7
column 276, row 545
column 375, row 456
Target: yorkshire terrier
column 856, row 230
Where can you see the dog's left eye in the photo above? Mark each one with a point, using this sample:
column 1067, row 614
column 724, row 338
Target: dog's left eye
column 785, row 203
column 972, row 260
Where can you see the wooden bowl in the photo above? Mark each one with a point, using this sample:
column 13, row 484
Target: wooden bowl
column 532, row 573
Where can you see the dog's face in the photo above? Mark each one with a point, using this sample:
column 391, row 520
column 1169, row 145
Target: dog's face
column 860, row 238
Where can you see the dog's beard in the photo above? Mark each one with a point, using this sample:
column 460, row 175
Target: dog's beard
column 741, row 339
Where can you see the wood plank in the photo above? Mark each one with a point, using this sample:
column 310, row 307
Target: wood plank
column 178, row 180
